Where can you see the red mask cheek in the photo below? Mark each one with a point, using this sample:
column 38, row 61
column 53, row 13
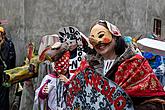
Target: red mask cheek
column 107, row 40
column 94, row 42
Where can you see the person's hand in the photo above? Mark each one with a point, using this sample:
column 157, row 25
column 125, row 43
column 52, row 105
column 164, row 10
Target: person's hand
column 63, row 78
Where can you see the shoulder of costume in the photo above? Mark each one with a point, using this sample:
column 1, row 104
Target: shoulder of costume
column 138, row 57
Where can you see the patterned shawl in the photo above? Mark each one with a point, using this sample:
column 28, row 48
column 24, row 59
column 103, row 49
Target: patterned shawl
column 135, row 76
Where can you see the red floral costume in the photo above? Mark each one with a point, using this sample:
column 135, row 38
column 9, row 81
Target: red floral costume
column 136, row 77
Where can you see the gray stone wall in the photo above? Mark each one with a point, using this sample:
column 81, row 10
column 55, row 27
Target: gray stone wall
column 13, row 12
column 31, row 19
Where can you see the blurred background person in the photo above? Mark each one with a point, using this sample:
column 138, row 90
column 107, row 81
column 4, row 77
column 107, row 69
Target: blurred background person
column 7, row 61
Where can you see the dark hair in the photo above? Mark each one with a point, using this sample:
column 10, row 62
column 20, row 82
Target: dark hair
column 120, row 43
column 3, row 33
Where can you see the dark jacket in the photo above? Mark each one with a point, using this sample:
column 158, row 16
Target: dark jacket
column 7, row 61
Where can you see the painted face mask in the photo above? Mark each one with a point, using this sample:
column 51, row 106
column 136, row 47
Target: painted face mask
column 100, row 34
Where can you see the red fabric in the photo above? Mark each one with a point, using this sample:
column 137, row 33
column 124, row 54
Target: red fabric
column 62, row 64
column 137, row 78
column 30, row 51
column 43, row 54
column 53, row 75
column 82, row 67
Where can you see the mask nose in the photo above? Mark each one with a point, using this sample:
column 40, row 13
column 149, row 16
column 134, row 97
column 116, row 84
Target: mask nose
column 94, row 41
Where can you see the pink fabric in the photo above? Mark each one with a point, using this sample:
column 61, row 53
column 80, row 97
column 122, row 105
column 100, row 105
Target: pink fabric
column 112, row 28
column 53, row 75
column 41, row 94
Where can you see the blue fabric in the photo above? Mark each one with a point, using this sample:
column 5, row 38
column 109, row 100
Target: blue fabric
column 157, row 65
column 154, row 60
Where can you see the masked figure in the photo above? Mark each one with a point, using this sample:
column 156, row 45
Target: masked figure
column 50, row 94
column 126, row 68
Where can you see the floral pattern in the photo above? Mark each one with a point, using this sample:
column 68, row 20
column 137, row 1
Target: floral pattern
column 137, row 78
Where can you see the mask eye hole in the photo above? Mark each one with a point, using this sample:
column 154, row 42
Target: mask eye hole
column 101, row 35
